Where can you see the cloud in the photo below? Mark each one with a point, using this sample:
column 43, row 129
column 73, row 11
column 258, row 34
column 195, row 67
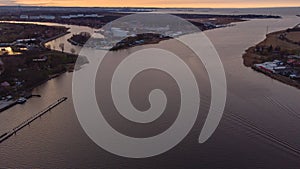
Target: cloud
column 27, row 2
column 8, row 2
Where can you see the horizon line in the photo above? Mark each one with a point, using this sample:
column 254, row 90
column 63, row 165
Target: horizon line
column 150, row 7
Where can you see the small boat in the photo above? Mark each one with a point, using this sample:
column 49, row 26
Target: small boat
column 21, row 100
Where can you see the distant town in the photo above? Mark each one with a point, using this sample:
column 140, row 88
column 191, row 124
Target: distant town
column 98, row 17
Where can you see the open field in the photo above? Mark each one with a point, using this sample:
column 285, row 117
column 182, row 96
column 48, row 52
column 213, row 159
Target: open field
column 293, row 36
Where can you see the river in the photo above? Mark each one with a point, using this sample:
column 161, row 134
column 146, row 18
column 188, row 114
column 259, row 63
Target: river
column 73, row 29
column 264, row 138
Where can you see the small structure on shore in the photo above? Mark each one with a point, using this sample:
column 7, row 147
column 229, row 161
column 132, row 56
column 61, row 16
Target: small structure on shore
column 40, row 59
column 270, row 67
column 5, row 84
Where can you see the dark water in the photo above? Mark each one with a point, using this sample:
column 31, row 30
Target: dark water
column 260, row 128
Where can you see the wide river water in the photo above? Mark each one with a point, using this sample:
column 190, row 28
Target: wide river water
column 268, row 135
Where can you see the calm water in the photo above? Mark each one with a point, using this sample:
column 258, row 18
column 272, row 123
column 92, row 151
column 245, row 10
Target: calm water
column 264, row 138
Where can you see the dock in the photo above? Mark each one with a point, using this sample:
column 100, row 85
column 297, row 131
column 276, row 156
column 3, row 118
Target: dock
column 4, row 105
column 12, row 132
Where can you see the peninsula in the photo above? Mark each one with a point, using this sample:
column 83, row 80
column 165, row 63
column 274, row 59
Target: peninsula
column 26, row 63
column 278, row 56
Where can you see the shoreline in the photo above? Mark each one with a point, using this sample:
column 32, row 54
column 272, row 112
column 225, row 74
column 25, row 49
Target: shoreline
column 42, row 44
column 279, row 78
column 12, row 98
column 10, row 103
column 277, row 56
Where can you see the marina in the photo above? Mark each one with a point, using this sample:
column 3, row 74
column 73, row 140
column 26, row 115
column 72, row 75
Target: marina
column 8, row 103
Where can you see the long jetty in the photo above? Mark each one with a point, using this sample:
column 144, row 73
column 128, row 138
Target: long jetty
column 7, row 135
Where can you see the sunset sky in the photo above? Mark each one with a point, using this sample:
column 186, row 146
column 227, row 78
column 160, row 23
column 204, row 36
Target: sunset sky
column 157, row 3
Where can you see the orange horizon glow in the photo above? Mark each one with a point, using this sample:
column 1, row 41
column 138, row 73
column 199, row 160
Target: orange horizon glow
column 157, row 3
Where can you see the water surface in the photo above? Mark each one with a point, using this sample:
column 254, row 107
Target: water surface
column 260, row 127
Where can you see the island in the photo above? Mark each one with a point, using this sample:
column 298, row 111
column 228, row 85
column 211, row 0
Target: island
column 278, row 56
column 80, row 39
column 138, row 40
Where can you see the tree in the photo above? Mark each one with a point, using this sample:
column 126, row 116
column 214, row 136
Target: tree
column 270, row 49
column 62, row 47
column 73, row 51
column 48, row 46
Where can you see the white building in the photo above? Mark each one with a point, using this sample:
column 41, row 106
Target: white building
column 271, row 66
column 158, row 29
column 65, row 17
column 48, row 17
column 118, row 32
column 34, row 17
column 24, row 17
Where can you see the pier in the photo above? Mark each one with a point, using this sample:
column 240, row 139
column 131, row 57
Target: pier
column 7, row 135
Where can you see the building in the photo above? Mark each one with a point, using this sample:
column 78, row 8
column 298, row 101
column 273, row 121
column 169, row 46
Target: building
column 271, row 67
column 293, row 57
column 118, row 32
column 66, row 17
column 34, row 17
column 158, row 29
column 24, row 17
column 48, row 17
column 41, row 59
column 5, row 84
column 25, row 41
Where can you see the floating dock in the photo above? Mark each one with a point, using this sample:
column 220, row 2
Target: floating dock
column 4, row 105
column 7, row 135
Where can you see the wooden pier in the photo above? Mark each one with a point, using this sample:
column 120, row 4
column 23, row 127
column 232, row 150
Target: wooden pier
column 7, row 135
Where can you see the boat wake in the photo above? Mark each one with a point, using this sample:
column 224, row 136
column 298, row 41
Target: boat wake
column 282, row 106
column 261, row 132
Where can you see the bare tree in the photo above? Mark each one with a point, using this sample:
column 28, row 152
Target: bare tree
column 62, row 47
column 73, row 51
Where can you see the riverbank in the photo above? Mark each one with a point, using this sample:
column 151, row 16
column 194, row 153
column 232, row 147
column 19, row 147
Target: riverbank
column 6, row 104
column 42, row 44
column 33, row 66
column 32, row 74
column 278, row 56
